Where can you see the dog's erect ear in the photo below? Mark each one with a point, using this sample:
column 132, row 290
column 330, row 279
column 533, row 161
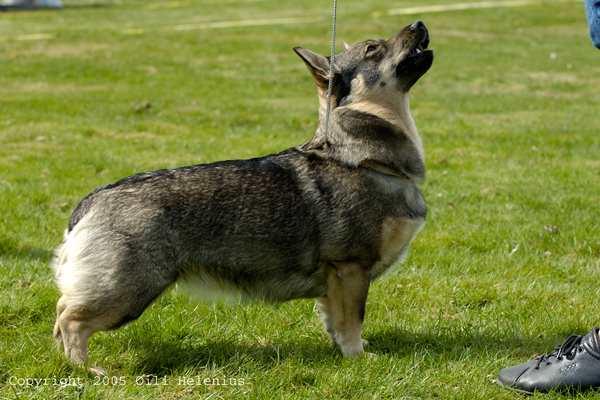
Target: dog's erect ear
column 318, row 65
column 345, row 46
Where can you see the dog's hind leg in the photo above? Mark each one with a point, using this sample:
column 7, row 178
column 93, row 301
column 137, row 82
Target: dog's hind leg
column 74, row 326
column 60, row 307
column 99, row 308
column 79, row 319
column 344, row 306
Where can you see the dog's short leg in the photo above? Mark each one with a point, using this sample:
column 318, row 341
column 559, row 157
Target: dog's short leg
column 74, row 326
column 344, row 309
column 323, row 304
column 60, row 307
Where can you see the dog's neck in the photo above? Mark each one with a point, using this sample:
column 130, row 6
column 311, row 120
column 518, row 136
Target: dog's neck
column 377, row 136
column 398, row 114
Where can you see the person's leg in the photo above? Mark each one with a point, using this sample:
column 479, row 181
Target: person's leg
column 592, row 10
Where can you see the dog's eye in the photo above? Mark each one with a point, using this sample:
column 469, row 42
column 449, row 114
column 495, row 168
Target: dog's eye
column 371, row 48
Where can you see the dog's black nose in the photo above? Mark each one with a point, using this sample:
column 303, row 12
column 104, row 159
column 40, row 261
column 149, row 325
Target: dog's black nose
column 417, row 25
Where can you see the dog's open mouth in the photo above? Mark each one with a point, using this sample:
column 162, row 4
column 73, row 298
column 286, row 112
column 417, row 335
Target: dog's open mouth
column 418, row 50
column 416, row 55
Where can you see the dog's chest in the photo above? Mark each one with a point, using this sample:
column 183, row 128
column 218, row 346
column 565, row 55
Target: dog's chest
column 396, row 235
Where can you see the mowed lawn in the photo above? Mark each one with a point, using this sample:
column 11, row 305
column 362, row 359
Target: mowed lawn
column 507, row 266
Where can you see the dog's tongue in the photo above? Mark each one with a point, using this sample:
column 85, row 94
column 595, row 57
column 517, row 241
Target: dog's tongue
column 416, row 51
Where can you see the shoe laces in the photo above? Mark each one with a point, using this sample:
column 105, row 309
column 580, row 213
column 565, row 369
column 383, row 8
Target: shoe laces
column 567, row 349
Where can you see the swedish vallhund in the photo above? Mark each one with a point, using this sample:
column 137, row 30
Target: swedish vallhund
column 320, row 220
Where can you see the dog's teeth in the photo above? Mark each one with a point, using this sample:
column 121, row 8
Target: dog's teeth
column 419, row 51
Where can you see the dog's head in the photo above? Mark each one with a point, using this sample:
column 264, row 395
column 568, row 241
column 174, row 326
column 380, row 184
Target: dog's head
column 374, row 70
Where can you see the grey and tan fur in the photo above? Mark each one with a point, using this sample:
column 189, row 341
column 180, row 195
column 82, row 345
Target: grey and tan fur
column 320, row 220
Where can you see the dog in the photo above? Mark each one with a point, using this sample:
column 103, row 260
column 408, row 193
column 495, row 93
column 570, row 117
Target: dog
column 320, row 220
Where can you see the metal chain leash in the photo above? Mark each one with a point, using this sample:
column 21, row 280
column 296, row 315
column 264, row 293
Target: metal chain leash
column 330, row 73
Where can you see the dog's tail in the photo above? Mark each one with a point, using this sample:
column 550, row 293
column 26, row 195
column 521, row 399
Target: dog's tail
column 76, row 261
column 60, row 255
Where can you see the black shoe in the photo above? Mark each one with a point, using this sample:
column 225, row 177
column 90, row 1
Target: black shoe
column 574, row 365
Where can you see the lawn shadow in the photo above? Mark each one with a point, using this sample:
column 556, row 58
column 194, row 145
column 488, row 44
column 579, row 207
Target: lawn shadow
column 169, row 357
column 451, row 344
column 12, row 248
column 172, row 357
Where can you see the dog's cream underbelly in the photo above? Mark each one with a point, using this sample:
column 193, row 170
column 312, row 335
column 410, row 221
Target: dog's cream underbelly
column 396, row 236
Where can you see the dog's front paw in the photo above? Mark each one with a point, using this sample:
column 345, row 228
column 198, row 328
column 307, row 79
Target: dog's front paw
column 352, row 350
column 361, row 353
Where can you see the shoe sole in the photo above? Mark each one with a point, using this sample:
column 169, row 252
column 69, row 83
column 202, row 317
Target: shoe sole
column 514, row 389
column 567, row 390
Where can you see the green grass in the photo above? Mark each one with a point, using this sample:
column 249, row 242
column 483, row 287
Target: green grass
column 509, row 119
